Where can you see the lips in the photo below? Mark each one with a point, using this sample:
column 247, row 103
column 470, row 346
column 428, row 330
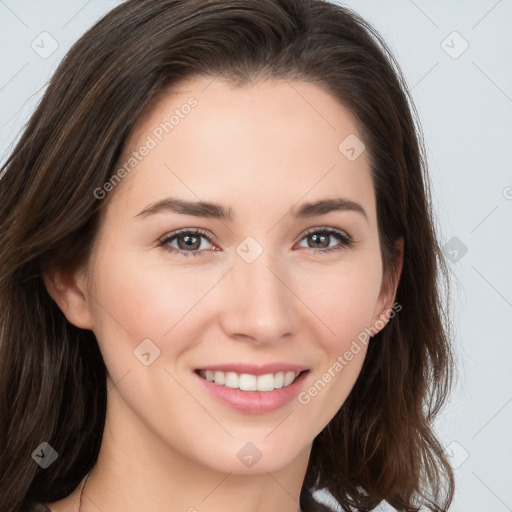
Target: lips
column 253, row 402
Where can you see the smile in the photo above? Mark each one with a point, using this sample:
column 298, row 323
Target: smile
column 249, row 382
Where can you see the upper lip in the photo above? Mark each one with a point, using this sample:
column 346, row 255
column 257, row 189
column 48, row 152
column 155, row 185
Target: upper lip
column 255, row 369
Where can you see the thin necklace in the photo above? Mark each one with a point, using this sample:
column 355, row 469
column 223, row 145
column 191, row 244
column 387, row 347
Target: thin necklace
column 82, row 492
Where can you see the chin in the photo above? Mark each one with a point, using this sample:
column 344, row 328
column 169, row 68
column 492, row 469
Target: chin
column 253, row 457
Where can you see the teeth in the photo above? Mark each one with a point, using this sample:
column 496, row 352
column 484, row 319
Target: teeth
column 248, row 382
column 231, row 380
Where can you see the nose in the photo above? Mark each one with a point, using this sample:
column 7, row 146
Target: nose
column 257, row 302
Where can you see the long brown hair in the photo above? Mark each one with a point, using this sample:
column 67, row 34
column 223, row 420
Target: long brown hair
column 380, row 445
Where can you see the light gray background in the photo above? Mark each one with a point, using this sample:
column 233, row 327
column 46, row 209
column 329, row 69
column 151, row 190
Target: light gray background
column 464, row 100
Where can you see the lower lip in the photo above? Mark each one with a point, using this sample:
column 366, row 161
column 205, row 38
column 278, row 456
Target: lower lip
column 254, row 402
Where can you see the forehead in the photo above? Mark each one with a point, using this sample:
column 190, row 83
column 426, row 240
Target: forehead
column 208, row 139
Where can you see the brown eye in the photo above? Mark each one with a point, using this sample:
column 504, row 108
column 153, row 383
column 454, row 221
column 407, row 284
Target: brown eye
column 188, row 242
column 320, row 239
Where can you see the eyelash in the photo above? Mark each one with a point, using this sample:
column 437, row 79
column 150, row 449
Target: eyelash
column 345, row 240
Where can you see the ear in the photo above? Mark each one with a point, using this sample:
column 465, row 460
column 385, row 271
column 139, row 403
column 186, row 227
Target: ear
column 389, row 287
column 68, row 289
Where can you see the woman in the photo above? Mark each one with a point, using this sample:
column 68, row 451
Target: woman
column 302, row 347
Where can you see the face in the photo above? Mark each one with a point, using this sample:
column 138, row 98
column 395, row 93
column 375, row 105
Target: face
column 171, row 289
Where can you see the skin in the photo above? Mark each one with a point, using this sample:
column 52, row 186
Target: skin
column 261, row 150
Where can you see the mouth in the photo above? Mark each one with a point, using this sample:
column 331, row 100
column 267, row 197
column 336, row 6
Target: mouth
column 250, row 382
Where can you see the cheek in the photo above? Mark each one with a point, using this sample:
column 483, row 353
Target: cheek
column 325, row 393
column 137, row 300
column 342, row 297
column 343, row 302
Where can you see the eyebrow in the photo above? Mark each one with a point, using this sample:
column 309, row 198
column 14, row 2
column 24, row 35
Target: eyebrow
column 217, row 211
